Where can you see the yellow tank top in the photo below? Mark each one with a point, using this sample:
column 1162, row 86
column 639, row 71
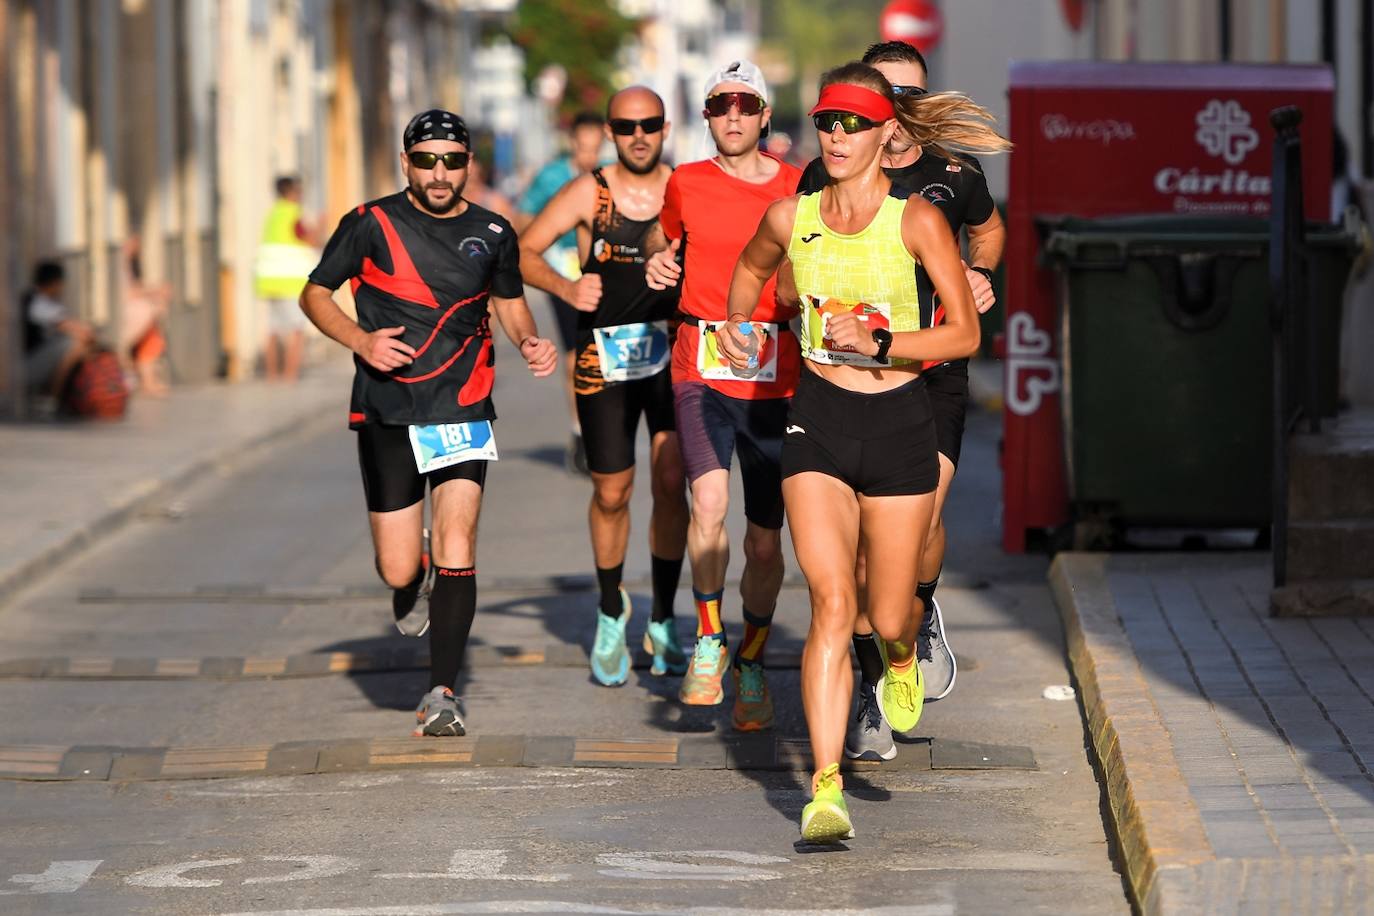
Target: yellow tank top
column 870, row 272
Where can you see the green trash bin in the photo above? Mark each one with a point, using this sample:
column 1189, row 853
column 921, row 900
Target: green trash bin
column 1167, row 374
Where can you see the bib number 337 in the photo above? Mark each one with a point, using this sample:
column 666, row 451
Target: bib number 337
column 441, row 445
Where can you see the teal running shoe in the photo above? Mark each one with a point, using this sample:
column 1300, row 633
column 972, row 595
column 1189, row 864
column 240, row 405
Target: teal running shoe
column 660, row 641
column 610, row 654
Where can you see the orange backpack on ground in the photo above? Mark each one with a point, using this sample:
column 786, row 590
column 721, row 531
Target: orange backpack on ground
column 96, row 389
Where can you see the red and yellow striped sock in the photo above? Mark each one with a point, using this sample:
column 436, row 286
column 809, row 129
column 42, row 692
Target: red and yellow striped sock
column 708, row 615
column 755, row 638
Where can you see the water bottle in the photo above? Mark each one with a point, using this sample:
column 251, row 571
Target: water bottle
column 752, row 344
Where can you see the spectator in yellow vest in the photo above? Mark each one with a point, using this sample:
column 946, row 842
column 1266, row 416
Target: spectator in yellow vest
column 285, row 258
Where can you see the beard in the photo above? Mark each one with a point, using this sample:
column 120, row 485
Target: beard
column 421, row 194
column 647, row 167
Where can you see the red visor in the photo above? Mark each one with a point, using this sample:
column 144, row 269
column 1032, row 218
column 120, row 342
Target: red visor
column 846, row 97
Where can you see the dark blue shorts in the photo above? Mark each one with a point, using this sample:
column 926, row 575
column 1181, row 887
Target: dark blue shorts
column 712, row 426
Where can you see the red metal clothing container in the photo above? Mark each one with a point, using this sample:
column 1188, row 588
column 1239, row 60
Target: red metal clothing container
column 1104, row 139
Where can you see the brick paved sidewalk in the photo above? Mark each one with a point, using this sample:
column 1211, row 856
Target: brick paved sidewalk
column 63, row 484
column 1237, row 747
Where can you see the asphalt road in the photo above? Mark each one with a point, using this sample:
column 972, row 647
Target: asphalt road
column 167, row 635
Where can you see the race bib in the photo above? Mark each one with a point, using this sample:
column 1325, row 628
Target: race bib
column 817, row 345
column 632, row 351
column 441, row 445
column 712, row 365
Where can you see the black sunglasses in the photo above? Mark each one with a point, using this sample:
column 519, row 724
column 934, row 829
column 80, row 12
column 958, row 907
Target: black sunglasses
column 452, row 161
column 825, row 121
column 900, row 91
column 625, row 127
column 719, row 105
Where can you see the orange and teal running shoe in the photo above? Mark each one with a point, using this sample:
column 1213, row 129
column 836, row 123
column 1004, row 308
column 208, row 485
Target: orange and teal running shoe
column 753, row 703
column 701, row 685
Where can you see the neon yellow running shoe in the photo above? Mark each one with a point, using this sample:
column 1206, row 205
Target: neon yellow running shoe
column 901, row 694
column 825, row 819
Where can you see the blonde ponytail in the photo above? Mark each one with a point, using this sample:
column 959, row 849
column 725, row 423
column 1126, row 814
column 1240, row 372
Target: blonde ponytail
column 946, row 123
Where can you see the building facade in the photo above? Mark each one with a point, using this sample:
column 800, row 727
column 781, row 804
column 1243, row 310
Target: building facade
column 169, row 120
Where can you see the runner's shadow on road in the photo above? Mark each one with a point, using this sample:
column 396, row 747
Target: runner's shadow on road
column 398, row 681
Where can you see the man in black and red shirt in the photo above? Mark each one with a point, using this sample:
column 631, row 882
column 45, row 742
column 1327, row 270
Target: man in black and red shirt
column 427, row 269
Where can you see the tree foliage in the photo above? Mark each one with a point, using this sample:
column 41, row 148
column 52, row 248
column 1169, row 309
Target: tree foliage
column 816, row 36
column 582, row 36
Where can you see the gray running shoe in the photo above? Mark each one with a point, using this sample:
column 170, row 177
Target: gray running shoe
column 415, row 621
column 933, row 654
column 439, row 715
column 870, row 737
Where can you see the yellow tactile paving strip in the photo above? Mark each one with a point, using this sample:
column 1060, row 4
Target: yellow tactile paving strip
column 707, row 752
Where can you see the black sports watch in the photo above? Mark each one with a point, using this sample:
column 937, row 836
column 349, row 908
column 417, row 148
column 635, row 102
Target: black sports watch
column 985, row 271
column 883, row 338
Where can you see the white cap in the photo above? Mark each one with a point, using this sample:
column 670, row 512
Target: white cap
column 745, row 72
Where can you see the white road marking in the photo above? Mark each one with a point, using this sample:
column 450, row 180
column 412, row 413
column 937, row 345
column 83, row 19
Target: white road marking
column 564, row 906
column 653, row 866
column 451, row 909
column 172, row 875
column 314, row 867
column 60, row 877
column 478, row 865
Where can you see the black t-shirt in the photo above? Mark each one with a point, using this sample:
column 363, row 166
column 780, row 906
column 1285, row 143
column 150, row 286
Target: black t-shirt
column 433, row 276
column 959, row 190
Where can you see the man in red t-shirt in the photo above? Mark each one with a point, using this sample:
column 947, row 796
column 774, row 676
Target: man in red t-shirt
column 710, row 211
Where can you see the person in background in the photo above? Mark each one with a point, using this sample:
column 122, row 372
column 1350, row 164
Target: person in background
column 285, row 258
column 54, row 341
column 584, row 138
column 483, row 194
column 142, row 343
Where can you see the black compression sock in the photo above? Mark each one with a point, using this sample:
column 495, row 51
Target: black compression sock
column 926, row 591
column 609, row 581
column 666, row 575
column 452, row 606
column 870, row 657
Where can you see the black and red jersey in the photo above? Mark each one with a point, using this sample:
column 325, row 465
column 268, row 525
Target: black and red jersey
column 432, row 276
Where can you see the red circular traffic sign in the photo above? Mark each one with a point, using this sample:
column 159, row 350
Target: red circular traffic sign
column 916, row 22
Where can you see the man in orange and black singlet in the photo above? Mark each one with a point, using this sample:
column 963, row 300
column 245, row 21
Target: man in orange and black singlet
column 428, row 269
column 710, row 211
column 623, row 340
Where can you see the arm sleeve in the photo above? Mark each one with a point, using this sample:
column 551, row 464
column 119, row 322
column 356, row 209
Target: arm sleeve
column 506, row 282
column 345, row 250
column 670, row 217
column 980, row 203
column 814, row 178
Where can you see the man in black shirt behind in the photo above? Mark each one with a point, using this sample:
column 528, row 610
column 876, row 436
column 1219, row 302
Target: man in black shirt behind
column 427, row 269
column 959, row 190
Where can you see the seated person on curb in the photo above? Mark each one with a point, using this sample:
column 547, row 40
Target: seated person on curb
column 54, row 341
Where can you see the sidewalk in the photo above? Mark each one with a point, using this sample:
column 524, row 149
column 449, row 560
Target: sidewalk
column 64, row 484
column 1236, row 748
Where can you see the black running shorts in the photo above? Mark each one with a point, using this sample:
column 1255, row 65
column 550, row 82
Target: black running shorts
column 565, row 320
column 879, row 444
column 610, row 419
column 947, row 385
column 390, row 479
column 711, row 426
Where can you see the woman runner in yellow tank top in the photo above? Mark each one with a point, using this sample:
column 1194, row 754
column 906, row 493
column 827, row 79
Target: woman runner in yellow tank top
column 859, row 458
